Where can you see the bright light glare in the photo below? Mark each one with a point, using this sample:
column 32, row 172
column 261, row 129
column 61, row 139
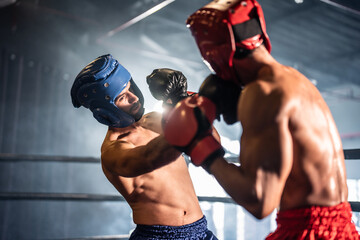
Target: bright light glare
column 232, row 146
column 140, row 17
column 314, row 81
column 204, row 183
column 209, row 66
column 158, row 107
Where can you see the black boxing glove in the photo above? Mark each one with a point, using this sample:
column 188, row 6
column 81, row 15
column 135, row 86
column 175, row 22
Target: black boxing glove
column 165, row 84
column 224, row 94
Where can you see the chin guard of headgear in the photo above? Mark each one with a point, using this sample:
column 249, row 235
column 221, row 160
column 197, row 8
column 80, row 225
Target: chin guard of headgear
column 97, row 86
column 224, row 29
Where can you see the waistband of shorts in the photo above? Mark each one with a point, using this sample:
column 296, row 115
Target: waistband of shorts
column 194, row 230
column 311, row 214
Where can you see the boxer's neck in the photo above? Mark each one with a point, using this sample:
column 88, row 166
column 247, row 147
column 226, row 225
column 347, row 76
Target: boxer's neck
column 247, row 69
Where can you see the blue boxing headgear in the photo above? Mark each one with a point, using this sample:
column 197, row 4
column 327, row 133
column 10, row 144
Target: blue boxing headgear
column 97, row 86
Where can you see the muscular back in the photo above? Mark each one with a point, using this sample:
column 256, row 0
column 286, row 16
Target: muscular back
column 318, row 160
column 163, row 196
column 299, row 139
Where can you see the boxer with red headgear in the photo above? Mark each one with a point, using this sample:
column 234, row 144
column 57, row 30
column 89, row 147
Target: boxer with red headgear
column 291, row 155
column 149, row 173
column 228, row 29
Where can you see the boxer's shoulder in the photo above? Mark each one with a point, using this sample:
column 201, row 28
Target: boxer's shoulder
column 151, row 121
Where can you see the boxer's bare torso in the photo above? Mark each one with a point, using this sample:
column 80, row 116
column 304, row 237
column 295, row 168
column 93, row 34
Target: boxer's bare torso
column 306, row 149
column 317, row 175
column 164, row 196
column 291, row 153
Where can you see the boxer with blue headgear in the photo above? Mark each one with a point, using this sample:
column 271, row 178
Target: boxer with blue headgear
column 97, row 87
column 149, row 173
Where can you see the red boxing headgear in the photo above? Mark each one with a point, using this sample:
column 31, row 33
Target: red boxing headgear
column 226, row 28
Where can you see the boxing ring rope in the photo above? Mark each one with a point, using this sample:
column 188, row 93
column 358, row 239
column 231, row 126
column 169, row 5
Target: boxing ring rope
column 86, row 197
column 350, row 154
column 355, row 206
column 8, row 157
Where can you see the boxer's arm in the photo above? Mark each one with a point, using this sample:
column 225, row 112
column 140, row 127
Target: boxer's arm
column 125, row 159
column 265, row 157
column 188, row 127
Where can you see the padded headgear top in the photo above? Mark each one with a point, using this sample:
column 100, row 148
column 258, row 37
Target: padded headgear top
column 97, row 86
column 224, row 29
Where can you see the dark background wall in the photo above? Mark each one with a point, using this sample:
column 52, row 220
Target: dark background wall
column 45, row 43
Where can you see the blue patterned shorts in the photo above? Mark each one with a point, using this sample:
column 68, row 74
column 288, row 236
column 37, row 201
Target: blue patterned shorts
column 194, row 231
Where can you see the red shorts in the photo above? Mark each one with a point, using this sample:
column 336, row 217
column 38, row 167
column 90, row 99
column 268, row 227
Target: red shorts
column 316, row 223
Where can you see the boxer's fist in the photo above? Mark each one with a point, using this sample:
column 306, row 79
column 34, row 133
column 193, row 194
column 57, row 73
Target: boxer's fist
column 165, row 84
column 188, row 127
column 224, row 94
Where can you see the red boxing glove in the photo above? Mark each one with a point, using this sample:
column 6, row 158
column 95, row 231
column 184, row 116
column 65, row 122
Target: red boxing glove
column 188, row 127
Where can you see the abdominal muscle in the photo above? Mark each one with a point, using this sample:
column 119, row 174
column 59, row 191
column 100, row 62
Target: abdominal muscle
column 162, row 197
